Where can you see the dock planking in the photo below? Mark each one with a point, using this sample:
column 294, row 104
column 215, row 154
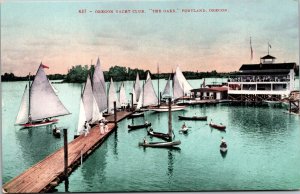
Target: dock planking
column 46, row 174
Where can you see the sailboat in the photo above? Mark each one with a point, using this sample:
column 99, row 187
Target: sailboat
column 137, row 88
column 39, row 103
column 177, row 93
column 123, row 98
column 81, row 120
column 99, row 89
column 112, row 97
column 168, row 137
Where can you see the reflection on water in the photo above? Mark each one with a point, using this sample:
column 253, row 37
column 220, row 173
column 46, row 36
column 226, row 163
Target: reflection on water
column 223, row 154
column 115, row 148
column 36, row 143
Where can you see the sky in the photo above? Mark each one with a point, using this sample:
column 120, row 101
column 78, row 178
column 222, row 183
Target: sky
column 55, row 33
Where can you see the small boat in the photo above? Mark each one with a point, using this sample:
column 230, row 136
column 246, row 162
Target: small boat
column 133, row 127
column 193, row 118
column 56, row 132
column 184, row 130
column 163, row 136
column 223, row 147
column 136, row 114
column 160, row 144
column 219, row 127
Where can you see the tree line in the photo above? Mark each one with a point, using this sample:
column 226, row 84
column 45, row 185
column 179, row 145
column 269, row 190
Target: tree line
column 78, row 74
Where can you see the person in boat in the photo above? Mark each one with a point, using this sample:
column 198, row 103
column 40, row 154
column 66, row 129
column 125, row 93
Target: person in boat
column 146, row 122
column 183, row 126
column 29, row 119
column 145, row 141
column 47, row 120
column 211, row 122
column 223, row 143
column 56, row 130
column 151, row 129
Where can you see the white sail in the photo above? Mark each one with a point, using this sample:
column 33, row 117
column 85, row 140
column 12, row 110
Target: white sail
column 167, row 91
column 140, row 102
column 97, row 115
column 44, row 103
column 123, row 98
column 133, row 96
column 87, row 98
column 137, row 87
column 177, row 89
column 99, row 87
column 150, row 97
column 112, row 96
column 22, row 117
column 81, row 119
column 183, row 82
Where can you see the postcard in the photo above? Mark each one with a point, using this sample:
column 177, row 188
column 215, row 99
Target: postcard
column 150, row 96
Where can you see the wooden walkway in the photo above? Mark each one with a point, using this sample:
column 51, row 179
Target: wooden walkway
column 49, row 172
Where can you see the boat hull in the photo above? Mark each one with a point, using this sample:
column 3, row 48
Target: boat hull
column 135, row 115
column 166, row 108
column 194, row 118
column 163, row 136
column 39, row 124
column 160, row 144
column 219, row 127
column 133, row 127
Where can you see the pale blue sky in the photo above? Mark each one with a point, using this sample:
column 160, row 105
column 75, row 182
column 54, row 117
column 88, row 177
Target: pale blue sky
column 55, row 33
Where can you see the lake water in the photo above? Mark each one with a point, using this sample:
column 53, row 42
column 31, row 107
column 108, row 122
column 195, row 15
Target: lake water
column 263, row 148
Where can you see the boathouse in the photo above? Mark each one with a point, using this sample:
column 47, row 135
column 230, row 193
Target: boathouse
column 266, row 81
column 213, row 93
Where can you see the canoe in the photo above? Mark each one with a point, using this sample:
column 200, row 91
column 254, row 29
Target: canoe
column 193, row 118
column 163, row 136
column 137, row 114
column 160, row 144
column 133, row 127
column 219, row 127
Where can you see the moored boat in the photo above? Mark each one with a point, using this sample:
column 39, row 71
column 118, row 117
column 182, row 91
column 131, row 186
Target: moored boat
column 193, row 118
column 160, row 144
column 136, row 114
column 163, row 136
column 165, row 108
column 133, row 127
column 219, row 127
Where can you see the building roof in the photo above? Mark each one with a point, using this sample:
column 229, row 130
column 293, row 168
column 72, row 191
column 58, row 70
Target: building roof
column 268, row 57
column 267, row 67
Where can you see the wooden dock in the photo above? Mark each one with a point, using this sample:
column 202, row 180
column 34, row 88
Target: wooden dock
column 48, row 173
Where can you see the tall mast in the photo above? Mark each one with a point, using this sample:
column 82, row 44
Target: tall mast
column 170, row 120
column 29, row 94
column 158, row 99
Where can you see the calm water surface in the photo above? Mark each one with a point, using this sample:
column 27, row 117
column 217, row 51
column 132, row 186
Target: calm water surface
column 263, row 149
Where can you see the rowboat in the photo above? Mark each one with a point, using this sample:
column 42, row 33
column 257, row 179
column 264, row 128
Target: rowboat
column 133, row 127
column 219, row 127
column 163, row 136
column 160, row 144
column 223, row 147
column 137, row 114
column 193, row 118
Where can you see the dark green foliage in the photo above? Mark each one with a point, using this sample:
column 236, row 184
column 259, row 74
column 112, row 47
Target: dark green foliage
column 77, row 74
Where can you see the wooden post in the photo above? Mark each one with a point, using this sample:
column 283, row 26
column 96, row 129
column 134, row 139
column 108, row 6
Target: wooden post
column 66, row 152
column 115, row 112
column 170, row 120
